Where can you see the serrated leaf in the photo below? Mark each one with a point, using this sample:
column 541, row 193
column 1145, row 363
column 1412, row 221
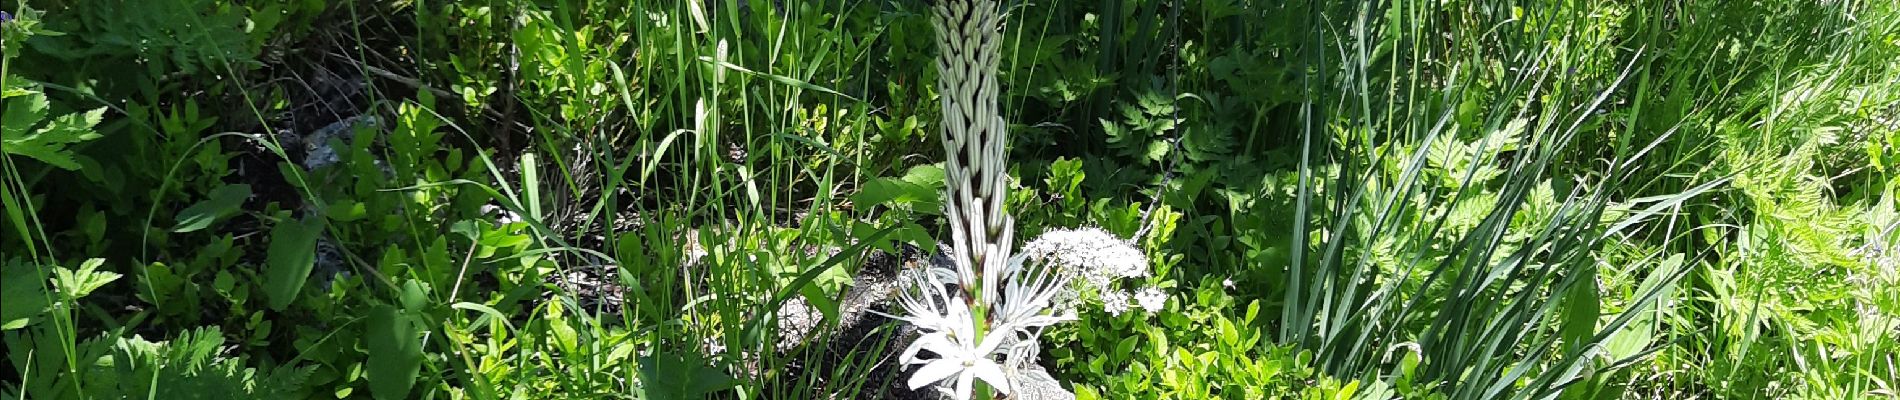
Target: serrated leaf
column 21, row 115
column 14, row 86
column 395, row 353
column 1157, row 150
column 222, row 202
column 76, row 284
column 291, row 255
column 1116, row 134
column 48, row 144
column 190, row 363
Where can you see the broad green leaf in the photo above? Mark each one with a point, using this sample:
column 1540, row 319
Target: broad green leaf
column 1641, row 330
column 291, row 255
column 565, row 337
column 25, row 298
column 223, row 202
column 680, row 376
column 898, row 193
column 1253, row 310
column 1582, row 308
column 1346, row 392
column 414, row 298
column 929, row 176
column 816, row 297
column 395, row 353
column 1127, row 345
column 1228, row 334
column 346, row 211
column 1083, row 392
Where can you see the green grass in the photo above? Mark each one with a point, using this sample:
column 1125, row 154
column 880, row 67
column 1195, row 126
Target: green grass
column 1410, row 199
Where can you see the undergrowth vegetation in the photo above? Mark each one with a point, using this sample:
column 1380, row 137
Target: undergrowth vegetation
column 1455, row 199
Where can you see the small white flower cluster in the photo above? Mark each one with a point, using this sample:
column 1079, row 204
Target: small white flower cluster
column 1099, row 258
column 1150, row 299
column 1115, row 302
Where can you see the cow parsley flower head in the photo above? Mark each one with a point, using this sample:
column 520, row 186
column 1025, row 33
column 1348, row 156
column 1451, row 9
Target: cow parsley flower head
column 1098, row 256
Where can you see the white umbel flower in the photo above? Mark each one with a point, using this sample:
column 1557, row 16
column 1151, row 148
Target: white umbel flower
column 1115, row 302
column 1151, row 299
column 1098, row 256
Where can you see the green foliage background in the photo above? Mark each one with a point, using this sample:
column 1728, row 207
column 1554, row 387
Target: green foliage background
column 1399, row 199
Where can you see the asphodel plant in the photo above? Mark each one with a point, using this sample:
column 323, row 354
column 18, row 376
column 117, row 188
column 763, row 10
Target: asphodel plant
column 991, row 304
column 980, row 317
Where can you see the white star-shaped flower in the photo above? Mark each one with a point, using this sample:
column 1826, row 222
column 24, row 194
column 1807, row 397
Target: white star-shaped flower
column 951, row 335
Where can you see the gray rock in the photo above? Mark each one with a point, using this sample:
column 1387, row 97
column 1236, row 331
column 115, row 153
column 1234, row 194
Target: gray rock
column 860, row 331
column 317, row 150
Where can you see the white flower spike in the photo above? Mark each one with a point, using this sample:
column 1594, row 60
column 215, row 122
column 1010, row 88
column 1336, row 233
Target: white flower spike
column 988, row 305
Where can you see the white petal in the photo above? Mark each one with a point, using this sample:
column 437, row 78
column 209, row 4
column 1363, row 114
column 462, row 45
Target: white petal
column 926, row 342
column 945, row 346
column 933, row 372
column 964, row 385
column 1044, row 320
column 960, row 322
column 990, row 373
column 990, row 342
